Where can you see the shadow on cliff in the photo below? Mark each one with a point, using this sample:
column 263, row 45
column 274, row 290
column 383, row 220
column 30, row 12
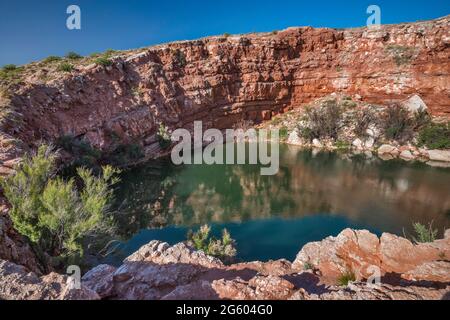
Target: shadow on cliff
column 143, row 280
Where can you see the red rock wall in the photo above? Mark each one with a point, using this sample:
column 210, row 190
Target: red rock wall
column 222, row 80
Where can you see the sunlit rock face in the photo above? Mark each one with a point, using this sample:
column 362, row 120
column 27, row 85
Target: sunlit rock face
column 224, row 80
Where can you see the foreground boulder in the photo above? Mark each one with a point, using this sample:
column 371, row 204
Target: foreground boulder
column 160, row 271
column 17, row 283
column 360, row 251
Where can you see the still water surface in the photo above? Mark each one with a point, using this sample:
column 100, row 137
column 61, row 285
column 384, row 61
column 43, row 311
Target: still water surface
column 314, row 195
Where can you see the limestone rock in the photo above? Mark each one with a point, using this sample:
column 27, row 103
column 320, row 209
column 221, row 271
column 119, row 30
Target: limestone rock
column 414, row 104
column 387, row 149
column 17, row 283
column 439, row 155
column 294, row 139
column 100, row 280
column 406, row 155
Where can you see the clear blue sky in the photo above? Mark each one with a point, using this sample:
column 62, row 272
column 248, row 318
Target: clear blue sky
column 33, row 29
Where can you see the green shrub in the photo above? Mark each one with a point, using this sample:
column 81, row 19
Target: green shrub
column 274, row 32
column 283, row 133
column 73, row 55
column 435, row 136
column 179, row 58
column 65, row 67
column 110, row 52
column 323, row 122
column 308, row 266
column 346, row 278
column 51, row 59
column 223, row 249
column 398, row 123
column 103, row 61
column 11, row 73
column 53, row 213
column 424, row 234
column 226, row 34
column 9, row 67
column 163, row 136
column 401, row 54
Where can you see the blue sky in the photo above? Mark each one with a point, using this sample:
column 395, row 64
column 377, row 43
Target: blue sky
column 33, row 29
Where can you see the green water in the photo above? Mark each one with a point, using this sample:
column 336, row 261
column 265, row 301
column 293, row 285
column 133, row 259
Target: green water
column 314, row 195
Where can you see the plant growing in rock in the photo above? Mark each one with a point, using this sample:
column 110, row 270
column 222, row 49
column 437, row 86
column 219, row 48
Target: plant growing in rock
column 363, row 120
column 55, row 214
column 424, row 234
column 283, row 133
column 51, row 59
column 397, row 123
column 435, row 136
column 103, row 61
column 179, row 58
column 223, row 248
column 163, row 136
column 73, row 55
column 322, row 122
column 401, row 54
column 65, row 67
column 11, row 73
column 346, row 278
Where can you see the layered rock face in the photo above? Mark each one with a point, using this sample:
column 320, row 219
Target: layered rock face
column 224, row 80
column 160, row 271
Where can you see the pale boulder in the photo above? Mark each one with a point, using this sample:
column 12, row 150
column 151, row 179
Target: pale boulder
column 439, row 155
column 414, row 104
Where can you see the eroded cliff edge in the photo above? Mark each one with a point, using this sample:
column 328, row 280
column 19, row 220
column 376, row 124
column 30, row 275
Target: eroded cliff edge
column 223, row 80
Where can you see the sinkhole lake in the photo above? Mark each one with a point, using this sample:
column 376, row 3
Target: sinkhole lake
column 314, row 195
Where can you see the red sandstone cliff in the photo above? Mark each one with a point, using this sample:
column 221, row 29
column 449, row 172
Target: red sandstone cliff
column 222, row 80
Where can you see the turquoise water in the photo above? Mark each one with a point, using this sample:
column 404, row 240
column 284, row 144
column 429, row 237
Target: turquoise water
column 314, row 195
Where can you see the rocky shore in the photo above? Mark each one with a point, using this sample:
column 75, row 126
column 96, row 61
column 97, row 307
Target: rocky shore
column 160, row 271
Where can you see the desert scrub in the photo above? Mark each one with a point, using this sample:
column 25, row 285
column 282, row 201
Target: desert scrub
column 179, row 58
column 424, row 233
column 103, row 61
column 283, row 133
column 346, row 278
column 51, row 59
column 308, row 266
column 73, row 56
column 435, row 136
column 363, row 120
column 226, row 34
column 401, row 54
column 322, row 122
column 397, row 123
column 65, row 67
column 55, row 214
column 11, row 73
column 163, row 136
column 223, row 248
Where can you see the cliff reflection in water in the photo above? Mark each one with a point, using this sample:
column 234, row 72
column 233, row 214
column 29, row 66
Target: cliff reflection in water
column 379, row 195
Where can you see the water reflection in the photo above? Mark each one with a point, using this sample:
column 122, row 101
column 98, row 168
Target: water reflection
column 379, row 195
